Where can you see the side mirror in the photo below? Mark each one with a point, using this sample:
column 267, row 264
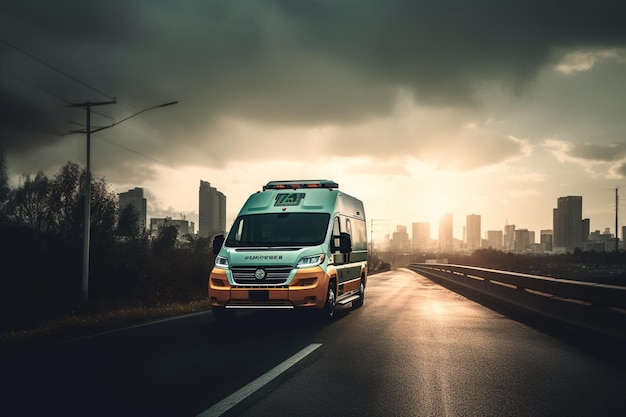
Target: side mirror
column 345, row 243
column 218, row 241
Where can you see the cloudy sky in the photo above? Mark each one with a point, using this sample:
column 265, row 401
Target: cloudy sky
column 487, row 107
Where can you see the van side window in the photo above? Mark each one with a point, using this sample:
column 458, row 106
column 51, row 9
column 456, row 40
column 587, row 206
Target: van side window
column 336, row 233
column 336, row 227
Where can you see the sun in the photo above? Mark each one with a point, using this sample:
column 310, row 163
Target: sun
column 436, row 205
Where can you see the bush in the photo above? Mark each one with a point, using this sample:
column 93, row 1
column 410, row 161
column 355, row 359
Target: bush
column 41, row 253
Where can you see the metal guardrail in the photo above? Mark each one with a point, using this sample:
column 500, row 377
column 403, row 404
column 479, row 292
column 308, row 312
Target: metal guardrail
column 593, row 305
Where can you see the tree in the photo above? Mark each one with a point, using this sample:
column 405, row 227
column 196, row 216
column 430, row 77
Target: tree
column 28, row 204
column 128, row 222
column 4, row 184
column 166, row 238
column 66, row 200
column 66, row 203
column 103, row 209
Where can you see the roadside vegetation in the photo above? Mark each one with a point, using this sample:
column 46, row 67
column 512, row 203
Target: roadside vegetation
column 133, row 276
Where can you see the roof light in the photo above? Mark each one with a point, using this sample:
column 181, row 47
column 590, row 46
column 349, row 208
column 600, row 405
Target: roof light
column 281, row 185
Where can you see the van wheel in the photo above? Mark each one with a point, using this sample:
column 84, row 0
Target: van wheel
column 359, row 302
column 328, row 312
column 222, row 315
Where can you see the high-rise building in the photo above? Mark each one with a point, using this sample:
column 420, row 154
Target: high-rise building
column 522, row 240
column 420, row 237
column 399, row 240
column 473, row 239
column 494, row 239
column 136, row 199
column 509, row 237
column 386, row 242
column 446, row 239
column 211, row 211
column 570, row 230
column 545, row 240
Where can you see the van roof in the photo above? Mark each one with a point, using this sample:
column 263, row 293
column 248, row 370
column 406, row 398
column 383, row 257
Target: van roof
column 302, row 196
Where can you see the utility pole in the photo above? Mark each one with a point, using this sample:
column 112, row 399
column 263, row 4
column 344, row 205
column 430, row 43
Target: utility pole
column 87, row 212
column 616, row 234
column 370, row 252
column 87, row 218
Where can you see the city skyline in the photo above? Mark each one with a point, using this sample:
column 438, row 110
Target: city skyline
column 568, row 224
column 569, row 232
column 411, row 117
column 472, row 221
column 569, row 229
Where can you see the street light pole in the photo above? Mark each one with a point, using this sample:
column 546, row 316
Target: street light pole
column 87, row 212
column 371, row 255
column 133, row 115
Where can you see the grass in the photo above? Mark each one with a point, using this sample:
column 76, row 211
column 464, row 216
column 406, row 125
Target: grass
column 84, row 324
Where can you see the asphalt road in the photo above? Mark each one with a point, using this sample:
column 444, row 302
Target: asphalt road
column 413, row 349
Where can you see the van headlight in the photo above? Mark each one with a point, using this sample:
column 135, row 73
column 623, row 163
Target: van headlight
column 221, row 262
column 311, row 260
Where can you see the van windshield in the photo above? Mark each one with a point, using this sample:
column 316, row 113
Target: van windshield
column 279, row 229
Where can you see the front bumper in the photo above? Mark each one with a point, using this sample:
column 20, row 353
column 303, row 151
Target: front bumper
column 307, row 289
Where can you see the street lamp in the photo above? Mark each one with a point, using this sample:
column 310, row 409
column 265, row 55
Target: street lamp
column 87, row 217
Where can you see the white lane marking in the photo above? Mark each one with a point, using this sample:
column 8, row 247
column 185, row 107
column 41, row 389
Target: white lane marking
column 240, row 395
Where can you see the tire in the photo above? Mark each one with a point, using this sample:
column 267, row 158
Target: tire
column 359, row 303
column 327, row 314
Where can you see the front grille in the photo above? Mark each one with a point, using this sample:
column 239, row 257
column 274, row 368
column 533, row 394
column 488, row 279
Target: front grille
column 274, row 275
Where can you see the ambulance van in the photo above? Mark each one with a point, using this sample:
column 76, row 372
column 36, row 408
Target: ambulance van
column 294, row 245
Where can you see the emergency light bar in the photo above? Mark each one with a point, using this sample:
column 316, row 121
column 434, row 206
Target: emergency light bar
column 281, row 185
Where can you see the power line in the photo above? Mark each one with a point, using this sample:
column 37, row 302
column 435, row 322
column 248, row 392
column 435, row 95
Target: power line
column 52, row 67
column 145, row 156
column 75, row 79
column 46, row 91
column 71, row 77
column 29, row 126
column 126, row 148
column 30, row 84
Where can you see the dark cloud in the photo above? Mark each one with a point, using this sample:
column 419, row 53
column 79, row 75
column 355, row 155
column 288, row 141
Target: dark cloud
column 603, row 153
column 76, row 21
column 279, row 62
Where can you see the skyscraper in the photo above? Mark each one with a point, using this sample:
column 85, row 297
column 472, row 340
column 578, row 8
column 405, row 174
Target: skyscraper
column 494, row 239
column 136, row 199
column 400, row 239
column 522, row 240
column 211, row 211
column 509, row 237
column 473, row 232
column 568, row 224
column 546, row 240
column 420, row 237
column 445, row 233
